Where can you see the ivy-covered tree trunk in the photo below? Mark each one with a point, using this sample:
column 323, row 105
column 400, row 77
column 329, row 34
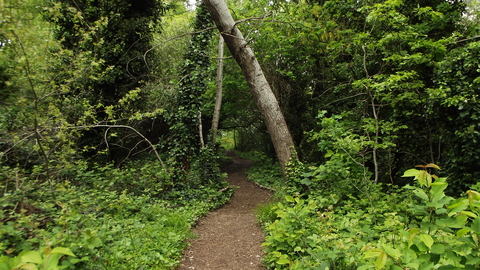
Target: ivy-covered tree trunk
column 264, row 97
column 185, row 123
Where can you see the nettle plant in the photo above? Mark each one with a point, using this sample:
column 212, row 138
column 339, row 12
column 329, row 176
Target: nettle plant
column 445, row 235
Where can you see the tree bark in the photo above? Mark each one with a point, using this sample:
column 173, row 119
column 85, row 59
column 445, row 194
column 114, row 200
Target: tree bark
column 262, row 93
column 218, row 97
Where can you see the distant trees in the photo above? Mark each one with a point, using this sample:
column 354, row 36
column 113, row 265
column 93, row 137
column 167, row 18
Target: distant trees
column 381, row 66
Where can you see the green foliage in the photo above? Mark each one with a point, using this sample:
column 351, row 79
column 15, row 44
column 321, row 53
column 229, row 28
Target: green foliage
column 418, row 227
column 185, row 142
column 110, row 218
column 47, row 259
column 387, row 68
column 115, row 34
column 264, row 170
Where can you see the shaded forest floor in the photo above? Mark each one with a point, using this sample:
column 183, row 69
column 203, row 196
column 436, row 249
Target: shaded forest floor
column 230, row 237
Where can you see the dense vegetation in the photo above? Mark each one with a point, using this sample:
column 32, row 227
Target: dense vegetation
column 105, row 152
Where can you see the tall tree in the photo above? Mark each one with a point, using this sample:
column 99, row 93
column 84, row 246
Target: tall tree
column 218, row 96
column 262, row 93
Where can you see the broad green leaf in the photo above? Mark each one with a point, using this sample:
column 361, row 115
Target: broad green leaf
column 30, row 257
column 52, row 261
column 392, row 252
column 283, row 261
column 469, row 214
column 431, row 165
column 329, row 153
column 421, row 194
column 409, row 255
column 462, row 232
column 62, row 250
column 438, row 248
column 28, row 266
column 372, row 253
column 306, row 181
column 472, row 260
column 427, row 240
column 4, row 263
column 289, row 198
column 448, row 267
column 422, row 176
column 428, row 178
column 451, row 222
column 436, row 190
column 381, row 260
column 475, row 226
column 411, row 173
column 46, row 251
column 458, row 206
column 426, row 265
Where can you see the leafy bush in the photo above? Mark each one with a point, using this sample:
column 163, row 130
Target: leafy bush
column 417, row 227
column 110, row 218
column 47, row 259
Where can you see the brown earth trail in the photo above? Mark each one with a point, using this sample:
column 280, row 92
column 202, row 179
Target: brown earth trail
column 230, row 237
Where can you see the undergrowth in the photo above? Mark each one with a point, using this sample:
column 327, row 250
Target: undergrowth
column 264, row 170
column 317, row 223
column 104, row 217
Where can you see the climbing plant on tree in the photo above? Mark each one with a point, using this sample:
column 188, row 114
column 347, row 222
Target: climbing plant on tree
column 122, row 33
column 104, row 45
column 185, row 123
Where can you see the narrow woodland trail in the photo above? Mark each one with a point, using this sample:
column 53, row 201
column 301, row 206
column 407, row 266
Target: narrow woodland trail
column 230, row 237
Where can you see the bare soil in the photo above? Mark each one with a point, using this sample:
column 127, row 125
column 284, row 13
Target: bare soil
column 229, row 238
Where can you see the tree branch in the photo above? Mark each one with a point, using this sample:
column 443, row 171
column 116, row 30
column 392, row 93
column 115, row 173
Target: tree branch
column 138, row 133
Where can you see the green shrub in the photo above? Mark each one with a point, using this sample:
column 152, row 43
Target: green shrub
column 417, row 227
column 132, row 217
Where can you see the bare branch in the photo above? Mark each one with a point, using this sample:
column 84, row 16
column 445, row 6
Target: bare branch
column 136, row 131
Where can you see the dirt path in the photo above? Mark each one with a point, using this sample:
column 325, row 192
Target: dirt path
column 230, row 237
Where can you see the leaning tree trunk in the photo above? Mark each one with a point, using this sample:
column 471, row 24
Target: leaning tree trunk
column 218, row 97
column 264, row 97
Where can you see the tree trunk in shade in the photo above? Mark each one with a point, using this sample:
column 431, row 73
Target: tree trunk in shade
column 264, row 97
